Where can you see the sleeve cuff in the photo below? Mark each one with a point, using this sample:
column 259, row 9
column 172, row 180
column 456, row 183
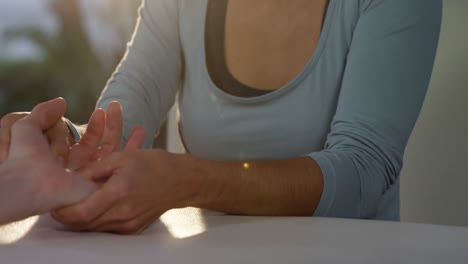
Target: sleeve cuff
column 329, row 184
column 73, row 130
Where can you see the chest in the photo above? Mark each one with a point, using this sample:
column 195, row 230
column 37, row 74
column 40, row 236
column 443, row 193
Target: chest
column 288, row 122
column 268, row 43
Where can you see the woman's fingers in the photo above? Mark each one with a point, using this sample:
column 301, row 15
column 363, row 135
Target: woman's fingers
column 73, row 189
column 113, row 129
column 94, row 130
column 84, row 151
column 80, row 216
column 136, row 139
column 102, row 168
column 108, row 127
column 129, row 227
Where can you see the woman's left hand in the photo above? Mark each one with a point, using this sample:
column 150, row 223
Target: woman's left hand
column 139, row 187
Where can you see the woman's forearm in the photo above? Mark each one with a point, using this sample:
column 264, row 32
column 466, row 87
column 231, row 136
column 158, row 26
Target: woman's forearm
column 272, row 188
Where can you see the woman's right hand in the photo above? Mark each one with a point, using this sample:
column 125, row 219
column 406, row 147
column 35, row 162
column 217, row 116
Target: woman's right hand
column 59, row 137
column 102, row 137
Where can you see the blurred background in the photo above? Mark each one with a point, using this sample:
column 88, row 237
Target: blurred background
column 69, row 48
column 51, row 48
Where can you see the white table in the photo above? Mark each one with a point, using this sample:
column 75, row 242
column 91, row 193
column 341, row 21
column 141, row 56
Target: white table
column 186, row 236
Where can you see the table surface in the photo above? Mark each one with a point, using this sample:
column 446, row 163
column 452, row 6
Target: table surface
column 191, row 236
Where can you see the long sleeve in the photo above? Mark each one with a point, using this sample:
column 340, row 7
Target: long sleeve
column 150, row 74
column 388, row 70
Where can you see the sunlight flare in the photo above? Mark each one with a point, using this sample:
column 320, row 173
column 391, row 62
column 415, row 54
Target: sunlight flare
column 13, row 232
column 184, row 223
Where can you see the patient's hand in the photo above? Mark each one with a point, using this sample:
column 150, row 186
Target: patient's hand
column 32, row 180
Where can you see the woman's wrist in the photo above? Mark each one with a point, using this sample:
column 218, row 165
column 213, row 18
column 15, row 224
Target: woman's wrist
column 197, row 179
column 184, row 173
column 215, row 185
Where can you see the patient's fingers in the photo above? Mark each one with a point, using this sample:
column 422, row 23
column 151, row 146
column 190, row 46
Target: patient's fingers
column 28, row 140
column 47, row 115
column 5, row 132
column 27, row 136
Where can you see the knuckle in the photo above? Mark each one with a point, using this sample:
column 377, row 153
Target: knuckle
column 81, row 217
column 126, row 212
column 130, row 228
column 107, row 145
column 119, row 192
column 59, row 216
column 6, row 120
column 124, row 192
column 19, row 124
column 9, row 119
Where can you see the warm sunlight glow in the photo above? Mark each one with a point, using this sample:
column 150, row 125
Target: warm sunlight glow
column 184, row 223
column 11, row 233
column 246, row 166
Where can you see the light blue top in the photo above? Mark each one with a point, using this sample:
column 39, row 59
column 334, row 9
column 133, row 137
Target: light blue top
column 352, row 109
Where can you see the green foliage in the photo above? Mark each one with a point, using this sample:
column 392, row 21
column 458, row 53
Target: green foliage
column 69, row 67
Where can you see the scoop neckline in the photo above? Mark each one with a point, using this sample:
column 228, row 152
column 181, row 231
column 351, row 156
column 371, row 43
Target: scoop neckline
column 327, row 25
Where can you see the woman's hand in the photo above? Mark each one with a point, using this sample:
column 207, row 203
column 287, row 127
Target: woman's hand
column 105, row 126
column 139, row 187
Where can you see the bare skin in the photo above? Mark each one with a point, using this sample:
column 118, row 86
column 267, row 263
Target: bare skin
column 268, row 43
column 33, row 179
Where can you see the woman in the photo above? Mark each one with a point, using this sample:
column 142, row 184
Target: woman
column 286, row 108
